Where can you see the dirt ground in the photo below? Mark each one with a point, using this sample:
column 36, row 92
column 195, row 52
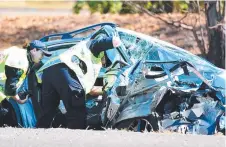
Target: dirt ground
column 86, row 138
column 15, row 29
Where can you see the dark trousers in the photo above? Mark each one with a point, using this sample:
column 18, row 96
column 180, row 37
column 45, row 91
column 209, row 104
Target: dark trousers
column 59, row 82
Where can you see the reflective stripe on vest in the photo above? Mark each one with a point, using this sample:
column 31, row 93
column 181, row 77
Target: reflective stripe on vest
column 51, row 62
column 17, row 58
column 22, row 77
column 2, row 96
column 2, row 86
column 93, row 64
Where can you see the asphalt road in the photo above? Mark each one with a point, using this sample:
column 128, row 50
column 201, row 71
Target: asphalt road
column 14, row 137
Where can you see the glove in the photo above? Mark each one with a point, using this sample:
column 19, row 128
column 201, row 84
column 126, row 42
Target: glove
column 116, row 40
column 24, row 94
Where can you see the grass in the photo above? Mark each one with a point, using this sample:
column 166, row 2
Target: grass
column 47, row 4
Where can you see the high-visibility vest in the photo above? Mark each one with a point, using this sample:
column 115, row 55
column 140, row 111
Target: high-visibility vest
column 2, row 86
column 71, row 57
column 14, row 57
column 47, row 64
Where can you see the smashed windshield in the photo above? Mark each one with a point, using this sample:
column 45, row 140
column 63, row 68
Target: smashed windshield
column 147, row 49
column 136, row 47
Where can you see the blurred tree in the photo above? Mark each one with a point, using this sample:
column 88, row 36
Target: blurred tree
column 123, row 8
column 168, row 6
column 99, row 6
column 215, row 15
column 127, row 9
column 180, row 6
column 214, row 11
column 78, row 6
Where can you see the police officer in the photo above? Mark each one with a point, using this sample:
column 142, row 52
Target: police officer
column 69, row 78
column 58, row 82
column 13, row 67
column 86, row 58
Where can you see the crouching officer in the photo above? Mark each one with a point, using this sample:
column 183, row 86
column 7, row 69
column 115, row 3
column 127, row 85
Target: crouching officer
column 86, row 59
column 69, row 77
column 58, row 82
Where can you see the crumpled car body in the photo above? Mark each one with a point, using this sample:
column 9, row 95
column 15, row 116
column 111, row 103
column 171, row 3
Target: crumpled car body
column 152, row 85
column 180, row 91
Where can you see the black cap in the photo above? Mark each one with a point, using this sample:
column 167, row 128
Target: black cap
column 41, row 46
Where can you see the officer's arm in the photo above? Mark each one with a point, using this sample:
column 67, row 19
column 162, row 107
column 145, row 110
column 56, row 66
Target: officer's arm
column 101, row 44
column 96, row 90
column 12, row 77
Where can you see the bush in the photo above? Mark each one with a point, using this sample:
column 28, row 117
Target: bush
column 127, row 9
column 78, row 6
column 99, row 6
column 120, row 7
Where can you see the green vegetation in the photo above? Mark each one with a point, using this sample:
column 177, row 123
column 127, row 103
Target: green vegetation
column 99, row 6
column 122, row 7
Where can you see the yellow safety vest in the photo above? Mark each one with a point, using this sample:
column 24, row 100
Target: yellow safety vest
column 93, row 64
column 82, row 52
column 14, row 57
column 49, row 63
column 2, row 85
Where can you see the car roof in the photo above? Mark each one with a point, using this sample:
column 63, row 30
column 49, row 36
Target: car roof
column 68, row 39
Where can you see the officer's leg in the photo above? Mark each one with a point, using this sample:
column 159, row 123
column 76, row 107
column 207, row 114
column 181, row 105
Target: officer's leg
column 8, row 114
column 73, row 96
column 49, row 101
column 3, row 112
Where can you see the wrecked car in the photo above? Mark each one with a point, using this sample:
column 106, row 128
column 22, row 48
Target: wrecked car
column 151, row 85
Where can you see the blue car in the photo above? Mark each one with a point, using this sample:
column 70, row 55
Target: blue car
column 152, row 86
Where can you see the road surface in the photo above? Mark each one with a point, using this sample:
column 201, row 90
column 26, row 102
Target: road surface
column 15, row 137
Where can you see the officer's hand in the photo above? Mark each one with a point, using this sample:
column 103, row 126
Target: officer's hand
column 116, row 40
column 22, row 101
column 18, row 100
